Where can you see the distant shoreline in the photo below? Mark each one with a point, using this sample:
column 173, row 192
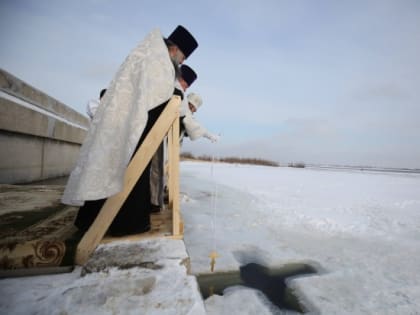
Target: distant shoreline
column 366, row 168
column 320, row 167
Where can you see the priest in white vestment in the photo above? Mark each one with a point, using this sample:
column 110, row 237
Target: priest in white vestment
column 134, row 100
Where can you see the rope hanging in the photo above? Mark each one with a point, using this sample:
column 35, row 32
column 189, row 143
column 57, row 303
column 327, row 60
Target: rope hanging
column 213, row 254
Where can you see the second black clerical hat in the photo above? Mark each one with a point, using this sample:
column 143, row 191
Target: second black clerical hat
column 188, row 74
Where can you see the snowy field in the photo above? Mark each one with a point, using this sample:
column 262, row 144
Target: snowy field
column 360, row 230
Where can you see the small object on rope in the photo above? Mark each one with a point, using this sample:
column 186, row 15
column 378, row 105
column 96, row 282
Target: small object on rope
column 211, row 290
column 213, row 255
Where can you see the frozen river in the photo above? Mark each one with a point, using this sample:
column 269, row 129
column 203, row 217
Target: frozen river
column 361, row 230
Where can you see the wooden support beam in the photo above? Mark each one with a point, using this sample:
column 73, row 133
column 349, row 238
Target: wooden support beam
column 173, row 172
column 170, row 168
column 134, row 170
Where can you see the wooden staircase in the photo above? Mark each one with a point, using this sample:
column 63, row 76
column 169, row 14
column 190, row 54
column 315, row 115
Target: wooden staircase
column 169, row 222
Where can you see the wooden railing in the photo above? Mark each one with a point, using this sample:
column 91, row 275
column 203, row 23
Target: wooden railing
column 167, row 124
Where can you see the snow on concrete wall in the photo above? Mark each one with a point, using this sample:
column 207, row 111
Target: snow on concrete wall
column 40, row 137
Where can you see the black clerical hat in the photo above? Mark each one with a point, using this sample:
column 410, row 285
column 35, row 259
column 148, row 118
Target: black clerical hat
column 188, row 74
column 184, row 40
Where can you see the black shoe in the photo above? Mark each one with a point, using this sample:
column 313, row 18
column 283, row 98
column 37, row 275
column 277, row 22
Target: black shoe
column 155, row 209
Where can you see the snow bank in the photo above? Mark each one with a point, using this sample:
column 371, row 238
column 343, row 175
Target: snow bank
column 360, row 230
column 147, row 277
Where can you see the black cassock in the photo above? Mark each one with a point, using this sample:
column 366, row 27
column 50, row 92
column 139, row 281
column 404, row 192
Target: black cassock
column 134, row 215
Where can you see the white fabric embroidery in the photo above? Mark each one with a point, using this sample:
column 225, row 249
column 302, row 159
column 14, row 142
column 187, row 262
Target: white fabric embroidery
column 193, row 127
column 183, row 106
column 144, row 81
column 91, row 108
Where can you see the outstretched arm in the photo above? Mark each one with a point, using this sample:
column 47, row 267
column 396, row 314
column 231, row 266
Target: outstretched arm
column 195, row 130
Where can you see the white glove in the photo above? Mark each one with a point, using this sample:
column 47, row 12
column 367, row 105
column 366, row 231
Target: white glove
column 212, row 138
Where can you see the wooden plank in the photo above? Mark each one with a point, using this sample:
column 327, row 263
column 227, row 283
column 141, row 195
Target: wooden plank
column 134, row 170
column 173, row 176
column 177, row 228
column 34, row 271
column 141, row 237
column 170, row 168
column 162, row 223
column 161, row 228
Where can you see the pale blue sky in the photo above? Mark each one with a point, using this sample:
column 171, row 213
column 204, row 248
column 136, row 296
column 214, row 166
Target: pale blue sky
column 315, row 81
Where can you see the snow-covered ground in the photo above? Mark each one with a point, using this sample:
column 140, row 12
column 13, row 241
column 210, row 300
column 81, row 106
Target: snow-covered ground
column 147, row 277
column 361, row 230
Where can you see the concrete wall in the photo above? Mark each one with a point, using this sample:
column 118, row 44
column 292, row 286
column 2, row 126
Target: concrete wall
column 40, row 137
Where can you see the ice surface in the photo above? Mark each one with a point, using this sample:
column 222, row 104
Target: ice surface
column 361, row 230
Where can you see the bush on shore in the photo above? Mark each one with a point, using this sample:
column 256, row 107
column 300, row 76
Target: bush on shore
column 297, row 165
column 233, row 160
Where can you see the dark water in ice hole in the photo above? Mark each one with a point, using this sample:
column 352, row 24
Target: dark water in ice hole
column 270, row 281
